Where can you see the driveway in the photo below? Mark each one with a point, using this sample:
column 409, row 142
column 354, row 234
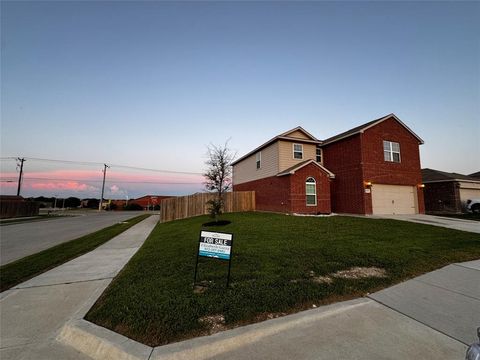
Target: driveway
column 23, row 239
column 451, row 223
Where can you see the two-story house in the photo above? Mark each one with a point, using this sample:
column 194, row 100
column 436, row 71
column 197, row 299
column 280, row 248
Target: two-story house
column 371, row 169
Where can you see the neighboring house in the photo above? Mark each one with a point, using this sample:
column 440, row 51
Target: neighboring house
column 148, row 202
column 371, row 169
column 475, row 175
column 448, row 192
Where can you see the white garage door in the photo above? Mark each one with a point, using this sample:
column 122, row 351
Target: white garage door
column 393, row 199
column 466, row 194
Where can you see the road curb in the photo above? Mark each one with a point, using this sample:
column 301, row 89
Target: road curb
column 100, row 343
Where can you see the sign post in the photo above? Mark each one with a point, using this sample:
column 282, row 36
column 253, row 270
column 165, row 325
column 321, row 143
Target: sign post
column 215, row 245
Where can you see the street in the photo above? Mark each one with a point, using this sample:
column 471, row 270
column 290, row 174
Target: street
column 23, row 239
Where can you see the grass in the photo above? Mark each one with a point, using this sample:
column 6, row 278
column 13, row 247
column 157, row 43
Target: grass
column 152, row 300
column 30, row 266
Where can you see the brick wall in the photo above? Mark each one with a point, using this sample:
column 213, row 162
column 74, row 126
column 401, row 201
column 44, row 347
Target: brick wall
column 442, row 197
column 379, row 171
column 298, row 191
column 343, row 158
column 359, row 158
column 271, row 193
column 288, row 194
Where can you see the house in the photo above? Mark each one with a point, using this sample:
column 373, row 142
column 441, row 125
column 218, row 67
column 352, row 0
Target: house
column 149, row 202
column 371, row 169
column 448, row 192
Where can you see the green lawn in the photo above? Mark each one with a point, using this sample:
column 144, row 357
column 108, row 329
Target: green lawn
column 23, row 269
column 276, row 259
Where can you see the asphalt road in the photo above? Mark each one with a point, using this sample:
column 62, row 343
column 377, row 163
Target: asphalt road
column 23, row 239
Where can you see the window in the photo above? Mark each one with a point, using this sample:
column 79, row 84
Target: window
column 319, row 155
column 391, row 151
column 258, row 159
column 311, row 191
column 297, row 151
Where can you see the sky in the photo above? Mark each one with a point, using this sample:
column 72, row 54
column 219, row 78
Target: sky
column 150, row 84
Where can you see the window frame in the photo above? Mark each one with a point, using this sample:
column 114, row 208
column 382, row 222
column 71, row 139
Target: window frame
column 309, row 181
column 390, row 151
column 317, row 155
column 258, row 160
column 296, row 151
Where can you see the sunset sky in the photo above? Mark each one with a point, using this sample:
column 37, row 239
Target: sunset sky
column 150, row 84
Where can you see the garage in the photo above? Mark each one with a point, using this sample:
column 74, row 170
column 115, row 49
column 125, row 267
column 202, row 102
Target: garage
column 469, row 191
column 393, row 199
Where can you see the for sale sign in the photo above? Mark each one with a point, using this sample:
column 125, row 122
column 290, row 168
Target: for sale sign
column 215, row 245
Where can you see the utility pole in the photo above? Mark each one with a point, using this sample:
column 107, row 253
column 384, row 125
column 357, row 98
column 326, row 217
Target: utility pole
column 20, row 175
column 105, row 166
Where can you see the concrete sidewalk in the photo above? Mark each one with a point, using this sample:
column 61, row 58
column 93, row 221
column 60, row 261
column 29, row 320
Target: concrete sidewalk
column 357, row 329
column 447, row 222
column 429, row 317
column 33, row 313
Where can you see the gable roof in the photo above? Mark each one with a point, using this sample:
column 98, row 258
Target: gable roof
column 362, row 128
column 475, row 175
column 284, row 136
column 291, row 170
column 431, row 175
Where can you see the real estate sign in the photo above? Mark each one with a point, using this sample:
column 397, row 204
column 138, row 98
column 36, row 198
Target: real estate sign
column 215, row 245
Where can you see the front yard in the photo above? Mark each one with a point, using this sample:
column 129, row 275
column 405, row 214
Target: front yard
column 281, row 264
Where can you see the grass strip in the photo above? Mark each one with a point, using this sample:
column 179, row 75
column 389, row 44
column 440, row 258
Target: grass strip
column 277, row 268
column 30, row 266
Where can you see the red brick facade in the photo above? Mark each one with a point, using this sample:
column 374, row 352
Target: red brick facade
column 343, row 158
column 359, row 158
column 354, row 160
column 287, row 193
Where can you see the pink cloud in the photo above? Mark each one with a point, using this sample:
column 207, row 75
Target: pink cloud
column 70, row 185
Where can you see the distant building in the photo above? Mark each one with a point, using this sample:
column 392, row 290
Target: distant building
column 149, row 202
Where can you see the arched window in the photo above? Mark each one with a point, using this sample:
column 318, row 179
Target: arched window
column 311, row 191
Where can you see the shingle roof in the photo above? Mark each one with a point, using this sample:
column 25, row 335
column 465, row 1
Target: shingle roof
column 359, row 129
column 431, row 175
column 475, row 175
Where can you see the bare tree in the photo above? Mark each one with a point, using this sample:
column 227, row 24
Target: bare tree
column 218, row 176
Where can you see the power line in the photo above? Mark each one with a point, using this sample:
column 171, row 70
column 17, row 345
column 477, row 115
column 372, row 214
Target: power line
column 111, row 165
column 108, row 180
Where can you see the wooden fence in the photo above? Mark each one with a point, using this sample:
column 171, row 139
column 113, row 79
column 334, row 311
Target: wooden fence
column 193, row 205
column 12, row 208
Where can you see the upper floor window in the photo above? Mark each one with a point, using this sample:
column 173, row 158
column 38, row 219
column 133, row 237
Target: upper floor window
column 297, row 151
column 258, row 159
column 391, row 151
column 311, row 191
column 319, row 155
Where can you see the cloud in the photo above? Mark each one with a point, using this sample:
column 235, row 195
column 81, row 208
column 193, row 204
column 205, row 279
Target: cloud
column 57, row 185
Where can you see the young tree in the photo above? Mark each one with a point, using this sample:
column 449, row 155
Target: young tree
column 218, row 176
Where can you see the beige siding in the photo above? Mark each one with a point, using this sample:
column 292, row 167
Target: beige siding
column 246, row 170
column 298, row 134
column 285, row 151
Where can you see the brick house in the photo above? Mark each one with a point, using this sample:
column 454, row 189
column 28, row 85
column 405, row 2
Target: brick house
column 448, row 192
column 371, row 169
